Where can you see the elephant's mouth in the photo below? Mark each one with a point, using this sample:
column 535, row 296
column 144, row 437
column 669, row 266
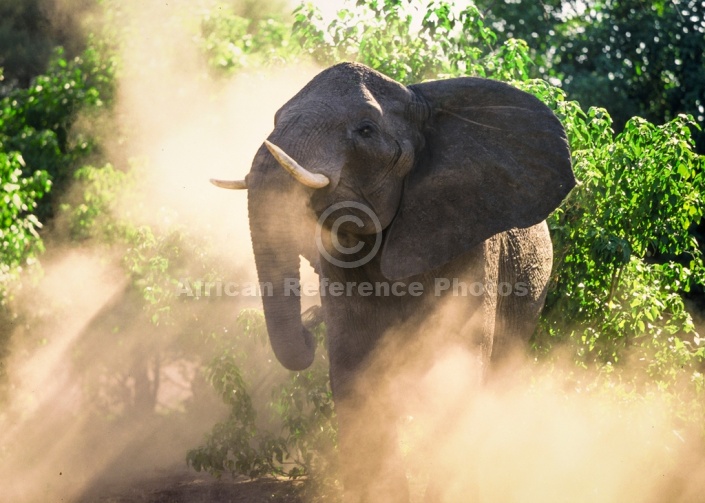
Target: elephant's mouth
column 349, row 216
column 346, row 210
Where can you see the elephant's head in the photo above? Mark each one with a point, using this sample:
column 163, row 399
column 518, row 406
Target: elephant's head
column 443, row 165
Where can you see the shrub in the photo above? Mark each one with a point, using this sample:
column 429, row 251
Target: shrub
column 449, row 41
column 20, row 242
column 290, row 433
column 232, row 42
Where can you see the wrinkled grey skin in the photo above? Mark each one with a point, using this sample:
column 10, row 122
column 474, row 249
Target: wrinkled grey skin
column 461, row 173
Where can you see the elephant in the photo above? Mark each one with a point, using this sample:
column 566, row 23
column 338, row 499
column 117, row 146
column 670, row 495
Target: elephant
column 426, row 189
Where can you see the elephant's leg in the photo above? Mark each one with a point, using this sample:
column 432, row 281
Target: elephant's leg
column 370, row 460
column 525, row 264
column 453, row 414
column 468, row 322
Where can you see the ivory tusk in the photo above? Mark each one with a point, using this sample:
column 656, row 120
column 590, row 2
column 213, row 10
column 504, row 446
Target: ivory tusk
column 313, row 180
column 229, row 184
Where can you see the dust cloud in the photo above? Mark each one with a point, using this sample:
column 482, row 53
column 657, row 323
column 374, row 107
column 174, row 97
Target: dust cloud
column 192, row 127
column 97, row 392
column 532, row 431
column 540, row 439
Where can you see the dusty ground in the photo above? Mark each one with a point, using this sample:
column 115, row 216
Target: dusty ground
column 181, row 485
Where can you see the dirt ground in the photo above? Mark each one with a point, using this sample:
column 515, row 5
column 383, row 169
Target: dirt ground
column 180, row 485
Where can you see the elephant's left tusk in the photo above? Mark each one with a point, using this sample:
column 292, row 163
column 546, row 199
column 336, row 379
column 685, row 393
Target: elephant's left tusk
column 229, row 184
column 313, row 180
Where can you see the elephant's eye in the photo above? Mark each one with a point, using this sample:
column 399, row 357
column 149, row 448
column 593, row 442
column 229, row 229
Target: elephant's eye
column 366, row 131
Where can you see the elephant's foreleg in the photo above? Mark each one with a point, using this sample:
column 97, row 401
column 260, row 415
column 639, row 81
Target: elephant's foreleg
column 370, row 461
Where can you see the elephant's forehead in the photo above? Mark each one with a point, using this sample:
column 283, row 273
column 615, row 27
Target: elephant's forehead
column 328, row 111
column 342, row 99
column 351, row 84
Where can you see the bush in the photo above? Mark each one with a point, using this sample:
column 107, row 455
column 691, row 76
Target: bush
column 289, row 433
column 624, row 255
column 19, row 237
column 232, row 42
column 37, row 122
column 449, row 42
column 38, row 153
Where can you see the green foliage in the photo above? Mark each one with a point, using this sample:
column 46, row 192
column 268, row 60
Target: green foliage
column 232, row 42
column 91, row 217
column 643, row 59
column 39, row 148
column 639, row 194
column 155, row 258
column 634, row 58
column 296, row 432
column 37, row 122
column 19, row 239
column 384, row 35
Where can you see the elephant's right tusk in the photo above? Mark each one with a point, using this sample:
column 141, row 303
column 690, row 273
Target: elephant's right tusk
column 313, row 180
column 229, row 184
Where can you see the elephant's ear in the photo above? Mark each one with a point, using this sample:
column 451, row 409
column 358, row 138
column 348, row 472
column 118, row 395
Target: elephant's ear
column 494, row 158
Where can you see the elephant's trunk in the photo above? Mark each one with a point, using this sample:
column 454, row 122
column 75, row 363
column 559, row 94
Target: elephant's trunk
column 276, row 212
